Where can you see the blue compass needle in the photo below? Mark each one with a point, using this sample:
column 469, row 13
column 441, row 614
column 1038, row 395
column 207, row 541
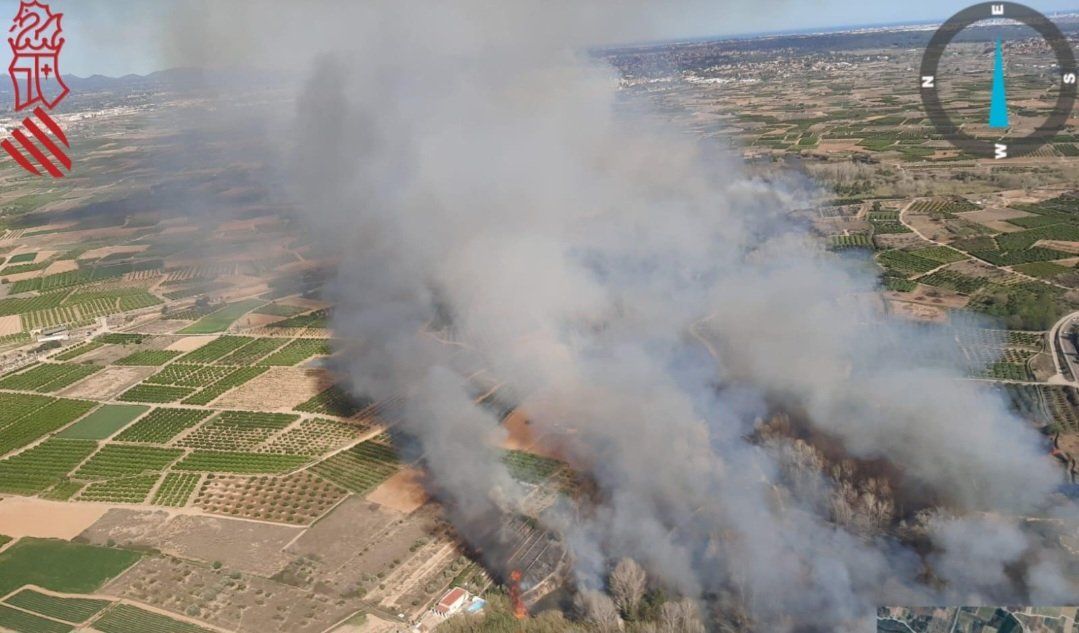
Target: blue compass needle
column 998, row 107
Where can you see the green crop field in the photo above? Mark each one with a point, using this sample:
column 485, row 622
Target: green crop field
column 43, row 421
column 63, row 491
column 22, row 258
column 943, row 206
column 277, row 309
column 42, row 466
column 316, row 319
column 74, row 610
column 16, row 405
column 122, row 490
column 236, row 430
column 239, row 463
column 102, row 423
column 119, row 460
column 940, row 254
column 60, row 565
column 359, row 468
column 951, row 280
column 215, row 349
column 161, row 425
column 148, row 358
column 155, row 393
column 311, row 437
column 298, row 351
column 48, row 377
column 176, row 489
column 220, row 320
column 857, row 240
column 182, row 375
column 1024, row 256
column 530, row 468
column 252, row 352
column 231, row 381
column 335, row 401
column 124, row 618
column 1042, row 269
column 22, row 622
column 904, row 263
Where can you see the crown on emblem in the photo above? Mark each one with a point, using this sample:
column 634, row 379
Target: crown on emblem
column 36, row 30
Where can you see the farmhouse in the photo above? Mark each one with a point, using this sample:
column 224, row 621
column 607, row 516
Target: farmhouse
column 451, row 602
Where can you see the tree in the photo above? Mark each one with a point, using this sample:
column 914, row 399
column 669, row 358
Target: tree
column 627, row 586
column 680, row 617
column 599, row 609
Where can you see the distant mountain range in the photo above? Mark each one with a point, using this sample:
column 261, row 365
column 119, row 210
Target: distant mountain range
column 175, row 78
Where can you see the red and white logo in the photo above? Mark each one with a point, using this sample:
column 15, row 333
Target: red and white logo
column 35, row 71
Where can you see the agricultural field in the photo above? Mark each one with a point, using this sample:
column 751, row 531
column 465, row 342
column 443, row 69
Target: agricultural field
column 122, row 490
column 298, row 351
column 335, row 401
column 124, row 618
column 48, row 377
column 22, row 622
column 530, row 468
column 905, row 264
column 229, row 382
column 316, row 319
column 51, row 417
column 239, row 463
column 102, row 423
column 152, row 358
column 73, row 610
column 312, row 437
column 122, row 460
column 182, row 375
column 155, row 393
column 220, row 320
column 236, row 431
column 252, row 352
column 359, row 468
column 161, row 425
column 176, row 489
column 79, row 350
column 60, row 565
column 42, row 466
column 299, row 498
column 215, row 349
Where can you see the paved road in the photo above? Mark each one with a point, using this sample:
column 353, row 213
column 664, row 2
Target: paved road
column 1064, row 350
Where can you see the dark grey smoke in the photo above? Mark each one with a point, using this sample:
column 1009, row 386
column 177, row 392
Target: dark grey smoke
column 648, row 299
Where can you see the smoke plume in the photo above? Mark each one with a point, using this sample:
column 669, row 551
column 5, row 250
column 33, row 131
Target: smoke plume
column 647, row 299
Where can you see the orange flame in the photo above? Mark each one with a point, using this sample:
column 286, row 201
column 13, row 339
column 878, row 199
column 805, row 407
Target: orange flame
column 519, row 610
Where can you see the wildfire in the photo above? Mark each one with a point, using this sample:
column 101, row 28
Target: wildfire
column 519, row 609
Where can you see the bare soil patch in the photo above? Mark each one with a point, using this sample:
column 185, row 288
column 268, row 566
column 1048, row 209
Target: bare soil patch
column 189, row 343
column 404, row 492
column 279, row 389
column 105, row 251
column 244, row 545
column 1058, row 245
column 994, row 218
column 26, row 516
column 11, row 324
column 918, row 312
column 108, row 383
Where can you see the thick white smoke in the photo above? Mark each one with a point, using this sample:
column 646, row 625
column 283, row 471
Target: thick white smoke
column 648, row 300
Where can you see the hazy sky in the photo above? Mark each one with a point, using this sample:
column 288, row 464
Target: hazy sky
column 116, row 37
